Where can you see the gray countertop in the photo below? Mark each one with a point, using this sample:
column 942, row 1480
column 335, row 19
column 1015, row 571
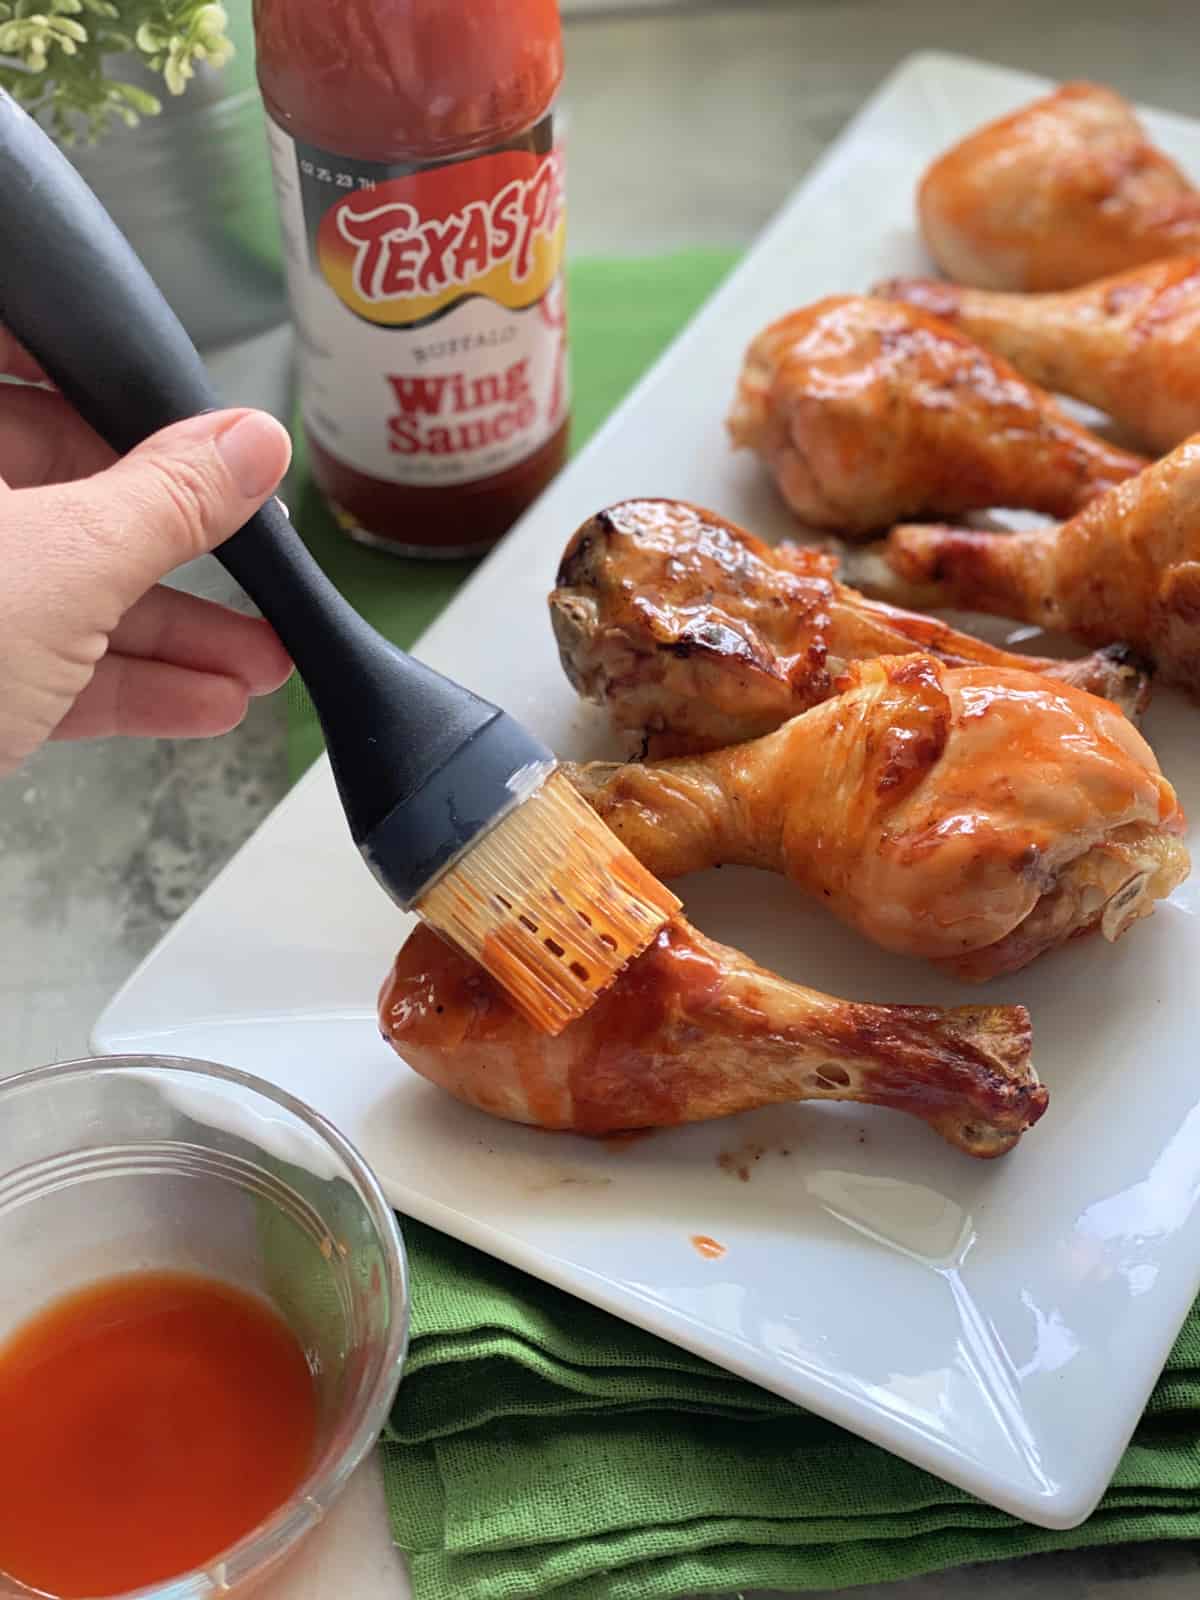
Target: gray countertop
column 689, row 125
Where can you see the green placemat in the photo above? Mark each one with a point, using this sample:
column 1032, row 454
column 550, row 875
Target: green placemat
column 539, row 1446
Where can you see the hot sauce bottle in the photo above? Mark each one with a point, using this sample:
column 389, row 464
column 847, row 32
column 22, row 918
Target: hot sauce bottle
column 419, row 174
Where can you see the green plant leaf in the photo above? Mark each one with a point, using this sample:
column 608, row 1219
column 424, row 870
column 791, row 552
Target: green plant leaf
column 56, row 52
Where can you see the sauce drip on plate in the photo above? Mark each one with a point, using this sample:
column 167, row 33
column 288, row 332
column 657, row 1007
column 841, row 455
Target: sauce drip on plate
column 146, row 1423
column 709, row 1248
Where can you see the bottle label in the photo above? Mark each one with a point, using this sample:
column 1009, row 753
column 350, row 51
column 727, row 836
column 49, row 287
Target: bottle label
column 430, row 306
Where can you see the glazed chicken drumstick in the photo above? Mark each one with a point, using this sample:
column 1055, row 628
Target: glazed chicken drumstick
column 976, row 816
column 870, row 412
column 1063, row 191
column 1129, row 345
column 1128, row 567
column 693, row 1030
column 694, row 634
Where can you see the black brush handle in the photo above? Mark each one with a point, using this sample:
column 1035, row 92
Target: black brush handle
column 77, row 297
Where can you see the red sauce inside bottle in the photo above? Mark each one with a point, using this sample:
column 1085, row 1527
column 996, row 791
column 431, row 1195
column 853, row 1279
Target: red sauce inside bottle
column 374, row 93
column 147, row 1423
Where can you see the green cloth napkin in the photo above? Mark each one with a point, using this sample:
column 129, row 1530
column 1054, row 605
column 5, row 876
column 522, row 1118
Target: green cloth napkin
column 541, row 1447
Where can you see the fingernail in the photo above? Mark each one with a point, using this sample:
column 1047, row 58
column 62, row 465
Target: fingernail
column 254, row 450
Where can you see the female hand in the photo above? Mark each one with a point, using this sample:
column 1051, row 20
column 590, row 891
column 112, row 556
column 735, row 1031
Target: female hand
column 90, row 643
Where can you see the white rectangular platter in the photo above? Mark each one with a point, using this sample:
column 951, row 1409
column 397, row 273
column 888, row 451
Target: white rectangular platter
column 1001, row 1324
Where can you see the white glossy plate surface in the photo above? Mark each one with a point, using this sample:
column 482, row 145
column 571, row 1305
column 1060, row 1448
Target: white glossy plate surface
column 999, row 1323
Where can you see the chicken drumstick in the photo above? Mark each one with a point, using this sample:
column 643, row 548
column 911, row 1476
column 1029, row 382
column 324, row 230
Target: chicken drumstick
column 975, row 816
column 1129, row 345
column 869, row 412
column 695, row 634
column 1065, row 190
column 1127, row 567
column 692, row 1030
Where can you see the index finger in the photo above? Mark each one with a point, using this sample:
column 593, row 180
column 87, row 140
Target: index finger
column 16, row 362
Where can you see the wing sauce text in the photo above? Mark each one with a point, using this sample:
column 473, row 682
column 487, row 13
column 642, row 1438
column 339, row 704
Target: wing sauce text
column 419, row 173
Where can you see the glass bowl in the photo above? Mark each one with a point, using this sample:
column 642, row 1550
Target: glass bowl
column 131, row 1163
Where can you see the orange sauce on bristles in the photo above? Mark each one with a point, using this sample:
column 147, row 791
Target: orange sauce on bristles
column 146, row 1423
column 551, row 903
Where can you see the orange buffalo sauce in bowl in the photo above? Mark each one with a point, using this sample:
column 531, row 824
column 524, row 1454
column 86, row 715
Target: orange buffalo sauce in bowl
column 147, row 1423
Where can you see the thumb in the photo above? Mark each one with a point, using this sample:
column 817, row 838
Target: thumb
column 175, row 497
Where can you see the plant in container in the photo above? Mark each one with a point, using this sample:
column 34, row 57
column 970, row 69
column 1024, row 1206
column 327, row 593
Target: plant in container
column 155, row 103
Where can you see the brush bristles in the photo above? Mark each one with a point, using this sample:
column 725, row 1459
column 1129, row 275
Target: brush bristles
column 551, row 903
